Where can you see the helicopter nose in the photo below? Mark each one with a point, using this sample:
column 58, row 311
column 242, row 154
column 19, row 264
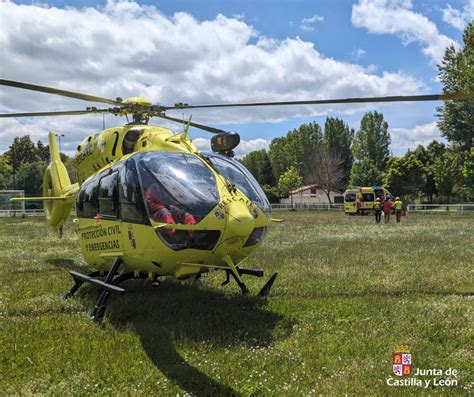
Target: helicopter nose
column 240, row 221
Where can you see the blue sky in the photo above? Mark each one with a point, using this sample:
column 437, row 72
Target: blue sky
column 220, row 51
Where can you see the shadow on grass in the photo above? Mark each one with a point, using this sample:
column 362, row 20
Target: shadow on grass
column 67, row 264
column 173, row 313
column 59, row 265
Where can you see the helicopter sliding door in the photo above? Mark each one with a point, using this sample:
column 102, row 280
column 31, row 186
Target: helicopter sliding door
column 108, row 205
column 98, row 211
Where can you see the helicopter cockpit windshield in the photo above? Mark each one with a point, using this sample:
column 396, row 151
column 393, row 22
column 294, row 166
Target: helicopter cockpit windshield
column 242, row 178
column 177, row 187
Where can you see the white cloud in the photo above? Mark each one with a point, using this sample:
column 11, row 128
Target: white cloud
column 409, row 138
column 459, row 18
column 126, row 49
column 397, row 17
column 307, row 24
column 358, row 53
column 244, row 148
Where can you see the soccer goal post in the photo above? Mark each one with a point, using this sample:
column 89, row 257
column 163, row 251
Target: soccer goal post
column 8, row 207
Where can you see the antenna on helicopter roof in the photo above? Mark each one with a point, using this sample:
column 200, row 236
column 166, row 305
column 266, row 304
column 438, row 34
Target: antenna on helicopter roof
column 186, row 127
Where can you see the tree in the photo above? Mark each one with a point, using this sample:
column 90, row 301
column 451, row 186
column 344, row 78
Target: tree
column 70, row 167
column 371, row 148
column 456, row 72
column 365, row 173
column 5, row 168
column 271, row 193
column 468, row 174
column 372, row 140
column 30, row 178
column 21, row 151
column 338, row 140
column 446, row 173
column 6, row 182
column 405, row 176
column 258, row 163
column 5, row 174
column 426, row 158
column 435, row 149
column 295, row 149
column 43, row 151
column 289, row 181
column 327, row 171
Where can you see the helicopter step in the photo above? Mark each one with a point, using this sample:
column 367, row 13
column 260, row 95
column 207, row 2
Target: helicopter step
column 86, row 278
column 108, row 285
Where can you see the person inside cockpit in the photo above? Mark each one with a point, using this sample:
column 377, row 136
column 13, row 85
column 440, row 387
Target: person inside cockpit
column 156, row 199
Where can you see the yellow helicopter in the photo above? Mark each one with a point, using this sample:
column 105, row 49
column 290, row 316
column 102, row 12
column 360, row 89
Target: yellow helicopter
column 150, row 204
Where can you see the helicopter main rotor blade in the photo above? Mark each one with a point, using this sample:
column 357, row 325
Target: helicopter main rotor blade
column 200, row 126
column 398, row 98
column 55, row 91
column 64, row 113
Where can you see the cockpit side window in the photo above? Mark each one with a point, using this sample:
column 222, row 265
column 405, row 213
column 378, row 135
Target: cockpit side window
column 129, row 194
column 108, row 200
column 87, row 203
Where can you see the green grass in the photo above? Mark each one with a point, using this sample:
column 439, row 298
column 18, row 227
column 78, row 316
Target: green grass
column 348, row 291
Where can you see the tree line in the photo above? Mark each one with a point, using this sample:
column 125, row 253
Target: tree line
column 22, row 166
column 336, row 156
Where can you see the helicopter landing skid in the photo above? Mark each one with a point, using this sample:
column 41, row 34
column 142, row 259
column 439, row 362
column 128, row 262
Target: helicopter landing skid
column 101, row 304
column 108, row 285
column 251, row 272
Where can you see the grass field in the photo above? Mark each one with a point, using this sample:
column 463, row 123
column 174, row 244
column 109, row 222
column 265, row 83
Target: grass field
column 348, row 291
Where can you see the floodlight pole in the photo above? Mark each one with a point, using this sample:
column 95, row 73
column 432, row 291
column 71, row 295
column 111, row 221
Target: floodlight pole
column 13, row 165
column 59, row 141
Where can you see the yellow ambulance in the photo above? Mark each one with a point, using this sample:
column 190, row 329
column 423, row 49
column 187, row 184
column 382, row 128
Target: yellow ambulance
column 360, row 200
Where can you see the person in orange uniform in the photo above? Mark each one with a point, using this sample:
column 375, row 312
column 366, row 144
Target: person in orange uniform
column 387, row 208
column 154, row 197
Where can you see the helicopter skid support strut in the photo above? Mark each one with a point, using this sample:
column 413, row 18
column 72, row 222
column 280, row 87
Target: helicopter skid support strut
column 110, row 284
column 251, row 272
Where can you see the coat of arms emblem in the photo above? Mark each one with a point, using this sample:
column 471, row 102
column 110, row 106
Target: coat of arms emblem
column 402, row 359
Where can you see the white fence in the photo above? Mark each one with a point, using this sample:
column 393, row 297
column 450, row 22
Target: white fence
column 454, row 209
column 303, row 206
column 14, row 213
column 447, row 209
